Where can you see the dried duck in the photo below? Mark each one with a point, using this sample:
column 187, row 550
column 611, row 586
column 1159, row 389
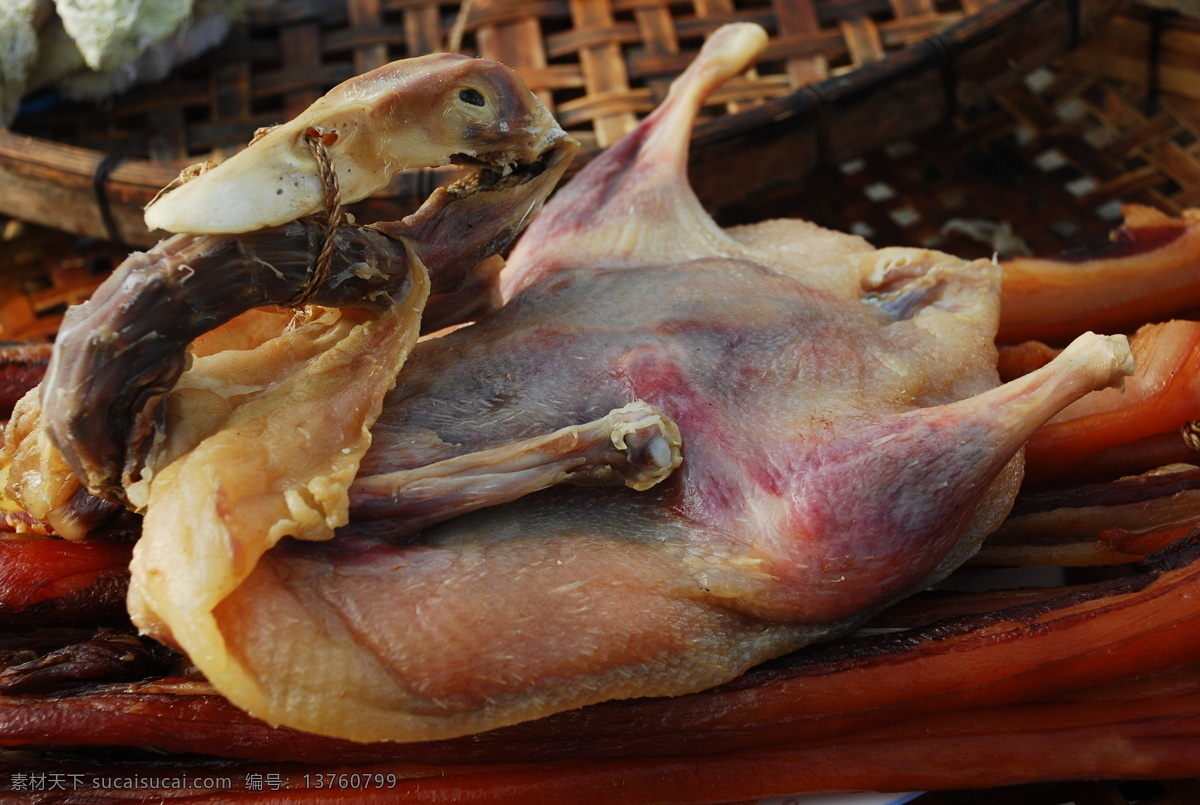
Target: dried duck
column 670, row 453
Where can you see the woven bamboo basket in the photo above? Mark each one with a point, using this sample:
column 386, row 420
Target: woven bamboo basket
column 838, row 78
column 1049, row 159
column 974, row 127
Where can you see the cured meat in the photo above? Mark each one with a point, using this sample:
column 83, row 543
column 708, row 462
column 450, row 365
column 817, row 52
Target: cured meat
column 21, row 368
column 53, row 581
column 420, row 112
column 844, row 441
column 1110, row 667
column 1147, row 271
column 122, row 350
column 1102, row 523
column 118, row 354
column 1162, row 397
column 269, row 414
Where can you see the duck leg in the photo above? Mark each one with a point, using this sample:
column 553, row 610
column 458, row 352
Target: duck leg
column 909, row 527
column 634, row 446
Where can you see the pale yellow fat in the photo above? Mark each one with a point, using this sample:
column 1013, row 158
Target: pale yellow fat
column 271, row 463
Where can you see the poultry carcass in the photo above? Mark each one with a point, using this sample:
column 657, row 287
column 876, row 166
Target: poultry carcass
column 673, row 452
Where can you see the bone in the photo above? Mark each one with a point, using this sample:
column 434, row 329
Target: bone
column 635, row 446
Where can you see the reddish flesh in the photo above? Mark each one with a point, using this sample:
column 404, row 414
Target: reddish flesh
column 1145, row 728
column 1163, row 394
column 881, row 713
column 1086, row 637
column 1151, row 271
column 21, row 368
column 47, row 579
column 1107, row 523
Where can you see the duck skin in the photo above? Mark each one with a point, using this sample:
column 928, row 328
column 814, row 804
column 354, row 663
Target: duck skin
column 842, row 441
column 78, row 449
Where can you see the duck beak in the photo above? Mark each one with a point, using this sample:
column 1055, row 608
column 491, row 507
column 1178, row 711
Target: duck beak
column 415, row 113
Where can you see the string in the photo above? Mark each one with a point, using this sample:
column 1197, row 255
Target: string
column 318, row 142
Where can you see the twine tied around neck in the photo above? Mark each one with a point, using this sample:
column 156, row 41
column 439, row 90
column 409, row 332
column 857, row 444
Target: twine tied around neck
column 318, row 142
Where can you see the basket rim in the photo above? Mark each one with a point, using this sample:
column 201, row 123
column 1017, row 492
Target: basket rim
column 121, row 186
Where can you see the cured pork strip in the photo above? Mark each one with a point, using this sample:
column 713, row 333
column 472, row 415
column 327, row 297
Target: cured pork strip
column 1108, row 670
column 1148, row 271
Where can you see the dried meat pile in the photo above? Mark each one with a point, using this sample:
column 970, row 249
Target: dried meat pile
column 655, row 455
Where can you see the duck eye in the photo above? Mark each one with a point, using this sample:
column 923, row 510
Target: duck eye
column 472, row 96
